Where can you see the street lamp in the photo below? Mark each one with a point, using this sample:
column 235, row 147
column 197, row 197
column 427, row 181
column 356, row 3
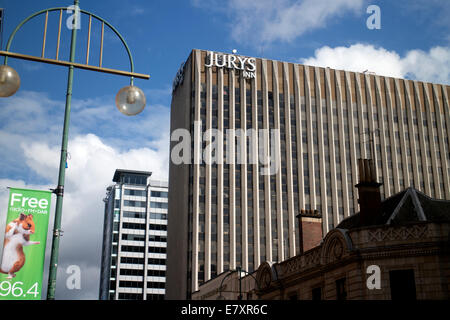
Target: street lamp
column 130, row 100
column 9, row 81
column 239, row 270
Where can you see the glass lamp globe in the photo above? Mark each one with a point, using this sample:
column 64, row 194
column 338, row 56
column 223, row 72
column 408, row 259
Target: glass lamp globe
column 9, row 81
column 130, row 100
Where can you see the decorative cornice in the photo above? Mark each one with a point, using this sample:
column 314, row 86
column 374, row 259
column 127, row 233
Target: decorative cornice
column 418, row 231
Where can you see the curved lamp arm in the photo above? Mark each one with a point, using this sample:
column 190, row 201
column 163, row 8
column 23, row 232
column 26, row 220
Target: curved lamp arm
column 11, row 37
column 233, row 271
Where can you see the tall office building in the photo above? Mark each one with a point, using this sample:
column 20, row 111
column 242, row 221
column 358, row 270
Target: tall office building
column 233, row 213
column 134, row 238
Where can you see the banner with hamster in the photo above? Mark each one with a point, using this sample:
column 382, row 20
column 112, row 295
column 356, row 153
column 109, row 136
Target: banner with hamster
column 22, row 264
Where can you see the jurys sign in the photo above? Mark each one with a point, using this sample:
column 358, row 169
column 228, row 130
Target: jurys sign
column 22, row 264
column 231, row 61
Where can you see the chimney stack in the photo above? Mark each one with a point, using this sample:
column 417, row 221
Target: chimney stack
column 310, row 229
column 369, row 193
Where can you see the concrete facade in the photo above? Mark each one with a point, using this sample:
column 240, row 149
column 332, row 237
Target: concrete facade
column 229, row 215
column 133, row 265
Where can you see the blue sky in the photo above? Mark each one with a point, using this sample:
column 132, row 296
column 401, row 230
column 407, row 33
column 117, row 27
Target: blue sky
column 413, row 42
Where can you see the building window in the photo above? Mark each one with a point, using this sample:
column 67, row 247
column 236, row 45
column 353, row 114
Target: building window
column 159, row 205
column 317, row 293
column 131, row 272
column 159, row 194
column 157, row 250
column 132, row 192
column 131, row 260
column 131, row 284
column 293, row 296
column 341, row 290
column 132, row 214
column 403, row 285
column 132, row 203
column 159, row 227
column 130, row 296
column 134, row 226
column 156, row 261
column 134, row 179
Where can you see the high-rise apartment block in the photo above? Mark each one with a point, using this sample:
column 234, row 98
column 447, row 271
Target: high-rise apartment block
column 134, row 238
column 297, row 132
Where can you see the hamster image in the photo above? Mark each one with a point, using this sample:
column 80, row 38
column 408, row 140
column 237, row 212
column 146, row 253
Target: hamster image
column 17, row 235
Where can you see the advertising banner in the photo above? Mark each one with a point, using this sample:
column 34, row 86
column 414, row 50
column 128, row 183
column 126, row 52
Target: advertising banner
column 22, row 264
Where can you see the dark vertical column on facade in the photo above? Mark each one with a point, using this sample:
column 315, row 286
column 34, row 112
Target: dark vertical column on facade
column 361, row 107
column 206, row 179
column 226, row 175
column 446, row 134
column 331, row 156
column 352, row 152
column 443, row 148
column 146, row 241
column 290, row 139
column 242, row 154
column 402, row 129
column 220, row 175
column 412, row 132
column 255, row 172
column 297, row 148
column 106, row 248
column 392, row 127
column 231, row 138
column 372, row 115
column 381, row 108
column 308, row 153
column 261, row 158
column 418, row 96
column 246, row 172
column 197, row 160
column 119, row 247
column 343, row 134
column 278, row 212
column 237, row 172
column 430, row 111
column 266, row 149
column 322, row 180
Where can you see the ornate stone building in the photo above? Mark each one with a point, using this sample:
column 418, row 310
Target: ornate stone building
column 402, row 243
column 392, row 249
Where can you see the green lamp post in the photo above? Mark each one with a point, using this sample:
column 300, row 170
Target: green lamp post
column 130, row 100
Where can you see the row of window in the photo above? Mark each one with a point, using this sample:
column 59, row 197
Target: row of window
column 140, row 284
column 143, row 193
column 141, row 226
column 135, row 272
column 142, row 249
column 132, row 260
column 142, row 215
column 136, row 237
column 137, row 296
column 143, row 204
column 133, row 179
column 159, row 194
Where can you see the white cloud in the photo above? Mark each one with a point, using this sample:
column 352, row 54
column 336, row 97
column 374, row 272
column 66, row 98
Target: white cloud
column 89, row 172
column 431, row 66
column 265, row 21
column 98, row 144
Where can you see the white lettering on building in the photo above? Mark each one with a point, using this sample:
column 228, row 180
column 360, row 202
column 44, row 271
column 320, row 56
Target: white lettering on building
column 230, row 61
